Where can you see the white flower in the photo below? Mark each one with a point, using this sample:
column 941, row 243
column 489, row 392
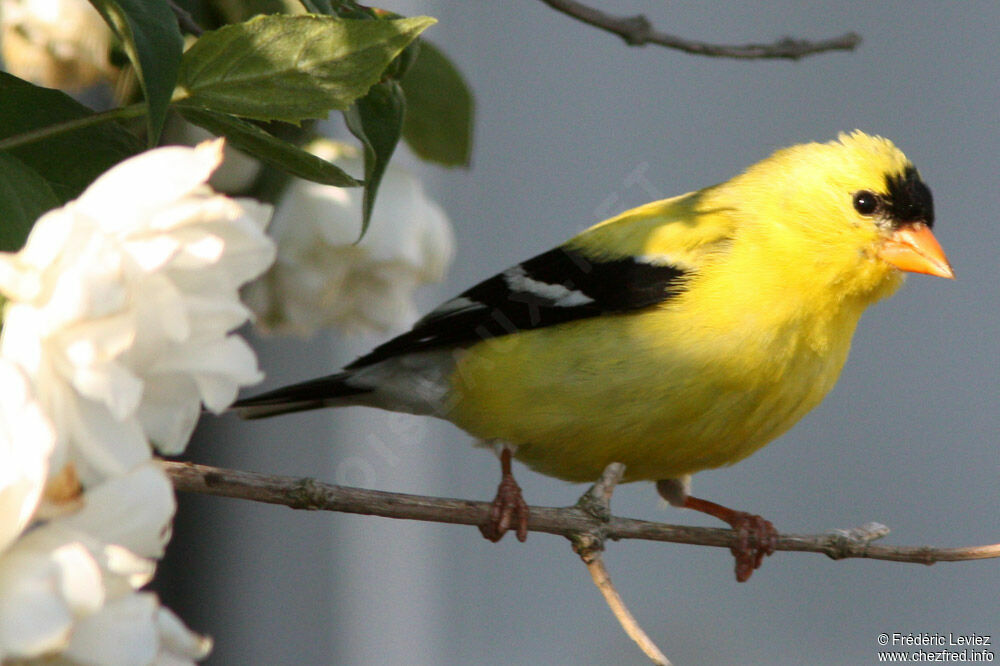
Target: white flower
column 26, row 441
column 325, row 277
column 55, row 43
column 68, row 587
column 121, row 305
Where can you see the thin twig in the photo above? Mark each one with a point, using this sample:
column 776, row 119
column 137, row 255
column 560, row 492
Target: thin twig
column 590, row 545
column 638, row 31
column 595, row 565
column 305, row 493
column 185, row 20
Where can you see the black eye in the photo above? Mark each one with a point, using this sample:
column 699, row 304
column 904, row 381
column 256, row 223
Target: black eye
column 866, row 202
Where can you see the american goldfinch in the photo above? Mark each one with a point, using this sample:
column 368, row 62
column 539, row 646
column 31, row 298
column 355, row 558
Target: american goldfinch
column 679, row 336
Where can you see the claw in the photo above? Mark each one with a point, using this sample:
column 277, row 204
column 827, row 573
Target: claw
column 756, row 537
column 508, row 508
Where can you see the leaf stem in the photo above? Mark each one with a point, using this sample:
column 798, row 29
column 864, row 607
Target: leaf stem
column 42, row 133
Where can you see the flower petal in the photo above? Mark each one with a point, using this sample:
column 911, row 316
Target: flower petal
column 152, row 180
column 133, row 510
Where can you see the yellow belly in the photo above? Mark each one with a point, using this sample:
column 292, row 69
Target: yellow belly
column 640, row 394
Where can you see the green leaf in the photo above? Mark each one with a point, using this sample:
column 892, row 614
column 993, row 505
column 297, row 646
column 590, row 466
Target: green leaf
column 377, row 120
column 291, row 68
column 439, row 109
column 149, row 34
column 286, row 156
column 68, row 161
column 24, row 196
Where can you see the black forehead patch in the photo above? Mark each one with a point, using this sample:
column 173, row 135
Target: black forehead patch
column 908, row 199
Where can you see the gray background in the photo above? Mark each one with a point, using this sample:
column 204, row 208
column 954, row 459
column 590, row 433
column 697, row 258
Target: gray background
column 566, row 117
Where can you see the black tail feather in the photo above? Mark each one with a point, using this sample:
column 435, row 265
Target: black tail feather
column 313, row 394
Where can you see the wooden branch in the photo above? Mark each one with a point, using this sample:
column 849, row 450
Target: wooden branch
column 587, row 524
column 305, row 493
column 638, row 31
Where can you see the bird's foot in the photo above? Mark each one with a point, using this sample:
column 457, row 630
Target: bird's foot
column 756, row 537
column 509, row 508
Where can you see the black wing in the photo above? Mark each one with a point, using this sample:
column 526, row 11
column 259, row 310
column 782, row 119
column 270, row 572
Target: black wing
column 558, row 286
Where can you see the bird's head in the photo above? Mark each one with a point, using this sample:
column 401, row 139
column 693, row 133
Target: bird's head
column 854, row 209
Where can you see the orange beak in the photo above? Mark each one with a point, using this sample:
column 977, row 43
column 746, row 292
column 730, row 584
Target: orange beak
column 913, row 248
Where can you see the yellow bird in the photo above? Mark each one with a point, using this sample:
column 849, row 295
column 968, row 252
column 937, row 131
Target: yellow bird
column 679, row 336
